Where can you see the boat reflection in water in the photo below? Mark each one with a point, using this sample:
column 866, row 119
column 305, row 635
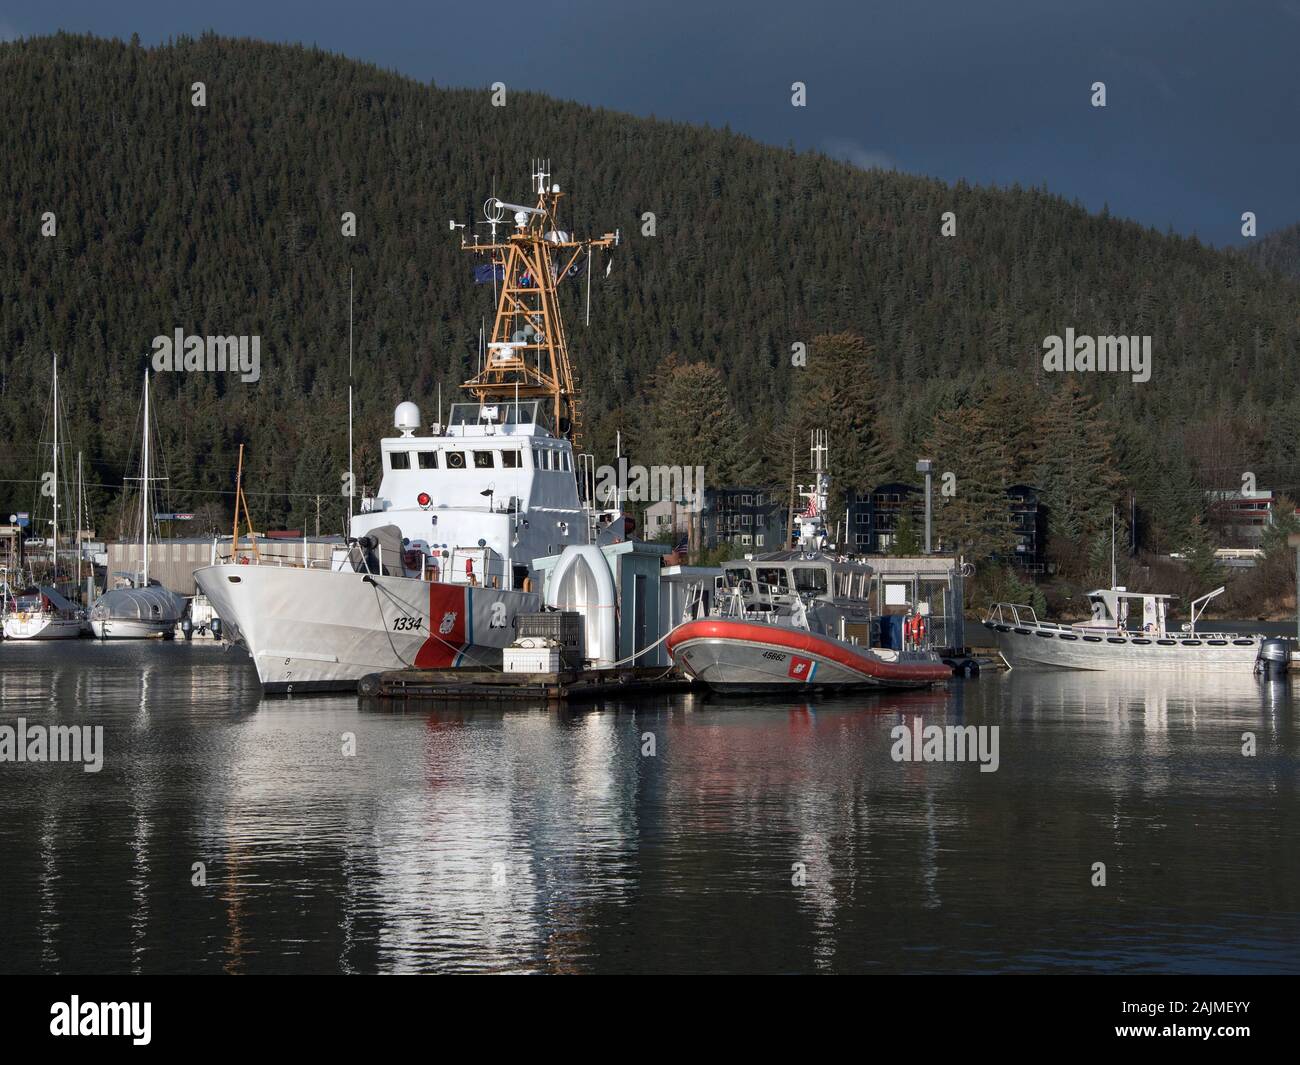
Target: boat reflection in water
column 682, row 833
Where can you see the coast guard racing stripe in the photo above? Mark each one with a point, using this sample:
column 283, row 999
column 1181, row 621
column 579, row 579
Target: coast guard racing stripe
column 448, row 610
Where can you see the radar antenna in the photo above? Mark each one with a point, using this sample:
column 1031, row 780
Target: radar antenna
column 527, row 353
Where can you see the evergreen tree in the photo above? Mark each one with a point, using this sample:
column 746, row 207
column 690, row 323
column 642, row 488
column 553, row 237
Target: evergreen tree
column 1075, row 469
column 906, row 543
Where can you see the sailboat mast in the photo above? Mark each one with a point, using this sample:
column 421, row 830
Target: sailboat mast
column 54, row 554
column 78, row 523
column 1112, row 545
column 351, row 476
column 144, row 486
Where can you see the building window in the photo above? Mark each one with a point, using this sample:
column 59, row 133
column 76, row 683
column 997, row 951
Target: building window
column 745, row 540
column 399, row 460
column 746, row 501
column 428, row 460
column 758, row 540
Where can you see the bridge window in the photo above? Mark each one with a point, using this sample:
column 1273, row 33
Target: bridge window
column 483, row 460
column 428, row 460
column 399, row 460
column 810, row 580
column 510, row 460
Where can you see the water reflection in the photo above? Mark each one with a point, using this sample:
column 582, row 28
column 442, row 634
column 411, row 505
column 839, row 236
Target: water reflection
column 677, row 834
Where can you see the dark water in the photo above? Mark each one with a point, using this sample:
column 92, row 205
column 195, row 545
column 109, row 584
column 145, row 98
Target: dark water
column 534, row 840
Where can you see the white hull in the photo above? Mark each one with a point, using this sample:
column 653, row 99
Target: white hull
column 41, row 627
column 131, row 629
column 1050, row 647
column 321, row 630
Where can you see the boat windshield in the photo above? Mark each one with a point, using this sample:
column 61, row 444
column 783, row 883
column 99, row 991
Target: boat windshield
column 809, row 580
column 733, row 575
column 777, row 578
column 523, row 412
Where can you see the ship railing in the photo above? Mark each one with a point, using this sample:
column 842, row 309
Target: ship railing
column 265, row 558
column 749, row 600
column 1021, row 614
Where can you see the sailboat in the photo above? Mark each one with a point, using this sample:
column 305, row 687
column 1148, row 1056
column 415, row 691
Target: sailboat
column 148, row 610
column 41, row 612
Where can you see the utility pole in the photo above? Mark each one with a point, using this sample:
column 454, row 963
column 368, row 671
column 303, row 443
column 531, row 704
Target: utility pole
column 926, row 467
column 318, row 517
column 789, row 518
column 1293, row 539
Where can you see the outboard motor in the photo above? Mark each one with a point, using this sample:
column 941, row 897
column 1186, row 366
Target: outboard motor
column 1274, row 655
column 216, row 628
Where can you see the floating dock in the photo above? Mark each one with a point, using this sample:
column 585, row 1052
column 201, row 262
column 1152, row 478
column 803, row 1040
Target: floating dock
column 491, row 686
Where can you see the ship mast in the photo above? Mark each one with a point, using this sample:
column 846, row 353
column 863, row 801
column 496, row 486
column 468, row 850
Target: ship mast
column 528, row 354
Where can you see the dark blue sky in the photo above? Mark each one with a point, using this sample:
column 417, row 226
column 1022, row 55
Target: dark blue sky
column 1202, row 122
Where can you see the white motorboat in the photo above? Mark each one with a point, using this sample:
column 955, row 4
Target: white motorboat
column 1115, row 638
column 439, row 562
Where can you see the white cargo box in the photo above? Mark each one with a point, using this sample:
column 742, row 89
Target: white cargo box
column 531, row 659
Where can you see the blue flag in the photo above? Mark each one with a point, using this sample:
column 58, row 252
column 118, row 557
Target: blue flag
column 487, row 273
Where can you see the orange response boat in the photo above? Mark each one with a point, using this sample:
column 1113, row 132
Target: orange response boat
column 733, row 655
column 798, row 619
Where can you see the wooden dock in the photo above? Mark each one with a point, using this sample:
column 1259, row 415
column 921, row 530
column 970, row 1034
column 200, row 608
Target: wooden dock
column 493, row 686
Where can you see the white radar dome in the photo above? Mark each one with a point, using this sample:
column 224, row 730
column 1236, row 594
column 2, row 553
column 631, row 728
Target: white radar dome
column 406, row 418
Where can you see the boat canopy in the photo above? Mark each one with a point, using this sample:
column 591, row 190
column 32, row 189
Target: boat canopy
column 36, row 598
column 154, row 603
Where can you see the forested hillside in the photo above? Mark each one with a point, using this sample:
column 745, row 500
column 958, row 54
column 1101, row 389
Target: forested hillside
column 1279, row 250
column 225, row 219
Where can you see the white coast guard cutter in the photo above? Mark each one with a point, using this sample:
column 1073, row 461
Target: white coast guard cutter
column 439, row 562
